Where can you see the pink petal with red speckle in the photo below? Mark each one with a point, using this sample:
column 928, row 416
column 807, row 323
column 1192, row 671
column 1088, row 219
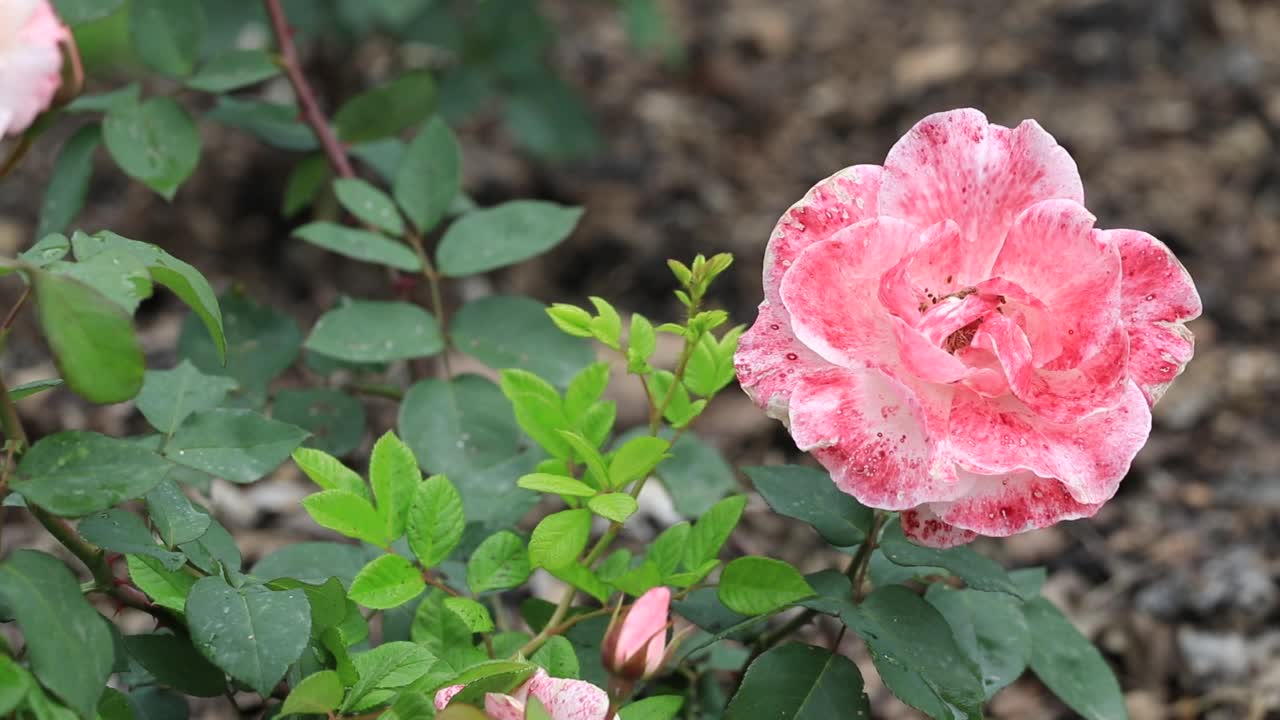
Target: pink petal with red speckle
column 444, row 695
column 503, row 707
column 955, row 166
column 1003, row 505
column 830, row 296
column 1157, row 296
column 923, row 527
column 872, row 434
column 996, row 436
column 770, row 361
column 569, row 699
column 841, row 200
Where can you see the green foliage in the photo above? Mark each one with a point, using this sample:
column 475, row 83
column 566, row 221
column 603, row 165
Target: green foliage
column 758, row 585
column 559, row 539
column 69, row 185
column 387, row 581
column 74, row 473
column 428, row 177
column 500, row 562
column 252, row 633
column 492, row 238
column 371, row 331
column 153, row 141
column 318, row 693
column 239, row 445
column 1070, row 665
column 363, row 245
column 515, row 332
column 800, row 682
column 978, row 572
column 386, row 110
column 808, row 494
column 435, row 521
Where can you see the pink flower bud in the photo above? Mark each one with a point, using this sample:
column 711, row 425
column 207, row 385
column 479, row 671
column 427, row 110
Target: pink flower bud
column 637, row 639
column 30, row 61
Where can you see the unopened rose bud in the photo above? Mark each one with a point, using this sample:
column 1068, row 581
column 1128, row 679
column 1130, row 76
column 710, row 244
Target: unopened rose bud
column 636, row 641
column 30, row 61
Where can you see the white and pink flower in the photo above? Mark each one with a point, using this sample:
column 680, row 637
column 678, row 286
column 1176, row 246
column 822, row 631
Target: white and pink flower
column 951, row 337
column 30, row 61
column 564, row 699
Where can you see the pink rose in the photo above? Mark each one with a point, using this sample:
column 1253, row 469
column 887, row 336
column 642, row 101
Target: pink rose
column 564, row 699
column 30, row 61
column 951, row 337
column 635, row 643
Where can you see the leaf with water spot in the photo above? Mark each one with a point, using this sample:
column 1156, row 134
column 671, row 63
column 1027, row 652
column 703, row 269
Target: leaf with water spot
column 75, row 472
column 237, row 445
column 370, row 331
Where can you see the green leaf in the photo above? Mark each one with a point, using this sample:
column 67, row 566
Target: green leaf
column 215, row 551
column 386, row 110
column 173, row 515
column 914, row 650
column 607, row 325
column 274, row 124
column 498, row 676
column 15, row 681
column 557, row 657
column 388, row 666
column 26, row 390
column 636, row 459
column 362, row 245
column 485, row 240
column 437, row 629
column 193, row 289
column 387, row 581
column 560, row 538
column 371, row 331
column 759, row 585
column 586, row 452
column 538, row 410
column 800, row 682
column 234, row 69
column 514, row 332
column 47, row 250
column 474, row 615
column 328, row 601
column 394, row 475
column 92, row 339
column 168, row 397
column 238, row 445
column 79, row 12
column 978, row 572
column 642, row 342
column 174, row 662
column 154, row 142
column 118, row 275
column 260, row 343
column 165, row 588
column 657, row 707
column 810, row 495
column 368, row 204
column 313, row 562
column 668, row 549
column 710, row 366
column 305, row 181
column 347, row 513
column 585, row 389
column 335, row 419
column 428, row 178
column 74, row 473
column 69, row 185
column 68, row 642
column 458, row 427
column 500, row 562
column 535, row 710
column 571, row 319
column 436, row 520
column 329, row 473
column 317, row 694
column 614, row 506
column 1029, row 580
column 990, row 629
column 557, row 484
column 713, row 529
column 696, row 475
column 168, row 34
column 252, row 633
column 1070, row 665
column 123, row 532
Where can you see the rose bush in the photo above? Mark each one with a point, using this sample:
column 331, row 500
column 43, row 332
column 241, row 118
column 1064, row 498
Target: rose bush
column 30, row 61
column 951, row 337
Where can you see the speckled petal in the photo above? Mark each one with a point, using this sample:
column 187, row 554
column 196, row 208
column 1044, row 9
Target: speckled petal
column 923, row 527
column 955, row 166
column 1003, row 505
column 770, row 361
column 444, row 695
column 569, row 699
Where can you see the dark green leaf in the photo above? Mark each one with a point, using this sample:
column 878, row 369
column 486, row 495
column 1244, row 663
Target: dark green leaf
column 168, row 397
column 500, row 562
column 35, row 386
column 808, row 494
column 359, row 244
column 515, row 332
column 335, row 419
column 703, row 608
column 68, row 642
column 488, row 239
column 328, row 601
column 237, row 445
column 758, row 585
column 167, row 34
column 47, row 250
column 65, row 194
column 386, row 110
column 152, row 703
column 260, row 343
column 234, row 69
column 800, row 682
column 376, row 331
column 174, row 662
column 75, row 473
column 305, row 181
column 696, row 475
column 1070, row 665
column 386, row 582
column 154, row 141
column 991, row 630
column 118, row 275
column 123, row 532
column 312, row 562
column 79, row 12
column 252, row 633
column 978, row 572
column 369, row 204
column 427, row 180
column 275, row 125
column 92, row 339
column 215, row 551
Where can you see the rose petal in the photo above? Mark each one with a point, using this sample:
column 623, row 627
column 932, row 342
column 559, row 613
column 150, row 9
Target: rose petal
column 1003, row 505
column 1157, row 295
column 955, row 166
column 30, row 62
column 569, row 699
column 845, row 198
column 997, row 436
column 872, row 433
column 444, row 695
column 645, row 623
column 833, row 308
column 923, row 527
column 770, row 360
column 503, row 707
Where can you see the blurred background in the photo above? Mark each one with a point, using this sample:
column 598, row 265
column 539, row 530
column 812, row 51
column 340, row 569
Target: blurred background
column 687, row 126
